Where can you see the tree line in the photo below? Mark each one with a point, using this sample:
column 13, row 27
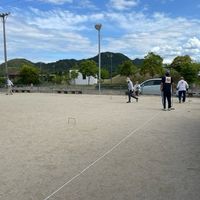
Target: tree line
column 151, row 67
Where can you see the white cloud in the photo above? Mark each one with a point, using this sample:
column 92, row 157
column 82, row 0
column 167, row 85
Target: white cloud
column 56, row 19
column 71, row 34
column 86, row 4
column 158, row 33
column 193, row 43
column 59, row 2
column 123, row 4
column 167, row 50
column 73, row 3
column 34, row 33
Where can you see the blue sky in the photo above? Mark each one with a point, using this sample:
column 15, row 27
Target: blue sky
column 50, row 30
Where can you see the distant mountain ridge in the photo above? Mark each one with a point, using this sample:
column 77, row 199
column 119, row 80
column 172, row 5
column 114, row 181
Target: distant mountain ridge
column 108, row 60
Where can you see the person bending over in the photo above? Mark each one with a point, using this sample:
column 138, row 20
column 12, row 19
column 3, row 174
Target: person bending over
column 131, row 91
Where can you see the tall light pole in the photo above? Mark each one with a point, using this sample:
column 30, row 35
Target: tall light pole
column 3, row 16
column 98, row 28
column 111, row 67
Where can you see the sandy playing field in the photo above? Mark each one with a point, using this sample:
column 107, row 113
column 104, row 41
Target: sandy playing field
column 98, row 147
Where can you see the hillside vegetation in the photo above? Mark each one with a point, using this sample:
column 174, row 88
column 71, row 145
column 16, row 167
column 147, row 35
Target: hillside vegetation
column 108, row 60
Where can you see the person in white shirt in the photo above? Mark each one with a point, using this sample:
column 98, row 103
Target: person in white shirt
column 137, row 88
column 9, row 86
column 131, row 91
column 182, row 87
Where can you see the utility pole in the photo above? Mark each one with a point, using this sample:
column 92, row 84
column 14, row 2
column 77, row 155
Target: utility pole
column 110, row 55
column 111, row 67
column 4, row 16
column 98, row 28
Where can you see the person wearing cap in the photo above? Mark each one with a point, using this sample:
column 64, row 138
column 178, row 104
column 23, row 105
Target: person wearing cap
column 182, row 87
column 166, row 89
column 130, row 91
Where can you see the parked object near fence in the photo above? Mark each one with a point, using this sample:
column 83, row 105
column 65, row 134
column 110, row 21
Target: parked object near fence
column 151, row 86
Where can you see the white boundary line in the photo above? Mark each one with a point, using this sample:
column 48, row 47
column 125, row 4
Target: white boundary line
column 105, row 154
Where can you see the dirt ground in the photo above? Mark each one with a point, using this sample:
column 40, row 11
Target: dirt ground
column 98, row 147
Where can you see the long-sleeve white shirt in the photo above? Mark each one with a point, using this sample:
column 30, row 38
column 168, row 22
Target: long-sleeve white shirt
column 130, row 85
column 9, row 83
column 182, row 85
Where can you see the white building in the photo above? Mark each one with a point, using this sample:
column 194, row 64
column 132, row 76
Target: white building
column 80, row 80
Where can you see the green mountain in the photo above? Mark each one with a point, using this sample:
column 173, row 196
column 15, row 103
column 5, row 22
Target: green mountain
column 14, row 64
column 108, row 60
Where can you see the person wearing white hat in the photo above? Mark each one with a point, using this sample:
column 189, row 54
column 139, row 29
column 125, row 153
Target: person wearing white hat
column 182, row 87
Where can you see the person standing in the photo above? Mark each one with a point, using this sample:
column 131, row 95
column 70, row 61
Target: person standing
column 166, row 89
column 9, row 86
column 182, row 87
column 131, row 91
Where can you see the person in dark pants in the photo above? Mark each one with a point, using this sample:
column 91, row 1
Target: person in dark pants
column 166, row 89
column 182, row 87
column 131, row 91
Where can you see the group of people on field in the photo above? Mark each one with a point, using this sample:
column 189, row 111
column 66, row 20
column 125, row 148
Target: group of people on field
column 166, row 89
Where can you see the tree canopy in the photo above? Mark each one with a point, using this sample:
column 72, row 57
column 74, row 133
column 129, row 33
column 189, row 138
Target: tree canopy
column 179, row 61
column 152, row 65
column 88, row 68
column 127, row 68
column 104, row 73
column 186, row 68
column 28, row 75
column 74, row 75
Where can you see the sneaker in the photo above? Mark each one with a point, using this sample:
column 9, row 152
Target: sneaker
column 128, row 102
column 169, row 109
column 164, row 109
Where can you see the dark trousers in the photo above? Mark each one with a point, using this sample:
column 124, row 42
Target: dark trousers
column 136, row 92
column 167, row 96
column 181, row 94
column 131, row 94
